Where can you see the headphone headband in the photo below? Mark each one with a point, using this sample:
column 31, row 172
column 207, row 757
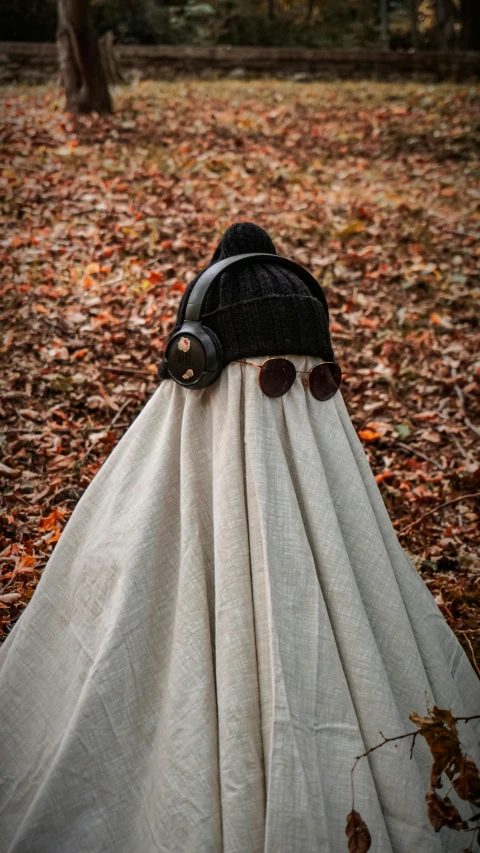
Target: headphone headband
column 203, row 284
column 194, row 355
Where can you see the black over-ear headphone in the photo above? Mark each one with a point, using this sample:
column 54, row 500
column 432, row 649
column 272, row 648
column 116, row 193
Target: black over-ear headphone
column 194, row 356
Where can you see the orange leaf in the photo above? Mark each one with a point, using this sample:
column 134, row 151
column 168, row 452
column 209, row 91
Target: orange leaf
column 103, row 318
column 177, row 287
column 437, row 320
column 369, row 435
column 50, row 522
column 426, row 416
column 55, row 537
column 370, row 322
column 25, row 563
column 94, row 267
column 385, row 475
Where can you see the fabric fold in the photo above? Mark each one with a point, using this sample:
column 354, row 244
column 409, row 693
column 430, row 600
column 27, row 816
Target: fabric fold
column 227, row 621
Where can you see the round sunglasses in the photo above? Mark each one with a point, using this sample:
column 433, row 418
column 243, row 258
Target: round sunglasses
column 277, row 375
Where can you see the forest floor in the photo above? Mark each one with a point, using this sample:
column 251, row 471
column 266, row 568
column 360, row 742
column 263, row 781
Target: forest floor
column 374, row 187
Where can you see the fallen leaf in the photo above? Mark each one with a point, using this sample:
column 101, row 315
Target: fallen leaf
column 442, row 812
column 385, row 475
column 369, row 435
column 358, row 835
column 25, row 563
column 467, row 783
column 9, row 597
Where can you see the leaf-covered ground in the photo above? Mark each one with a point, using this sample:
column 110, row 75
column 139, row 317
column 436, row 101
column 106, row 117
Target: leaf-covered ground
column 374, row 187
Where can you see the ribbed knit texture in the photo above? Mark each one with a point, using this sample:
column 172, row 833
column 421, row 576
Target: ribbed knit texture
column 261, row 309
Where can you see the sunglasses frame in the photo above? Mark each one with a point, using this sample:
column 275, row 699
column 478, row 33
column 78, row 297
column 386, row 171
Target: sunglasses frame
column 305, row 382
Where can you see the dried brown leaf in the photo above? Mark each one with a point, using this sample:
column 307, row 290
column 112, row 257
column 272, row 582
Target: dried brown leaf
column 442, row 812
column 467, row 783
column 359, row 839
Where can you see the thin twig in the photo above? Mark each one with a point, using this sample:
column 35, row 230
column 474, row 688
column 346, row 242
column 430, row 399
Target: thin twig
column 474, row 428
column 106, row 427
column 120, row 411
column 474, row 660
column 85, row 456
column 388, row 740
column 373, row 748
column 466, row 421
column 70, row 488
column 152, row 261
column 23, row 431
column 419, row 454
column 6, row 471
column 463, row 233
column 461, row 398
column 459, row 447
column 440, row 506
column 400, row 737
column 88, row 210
column 119, row 277
column 115, row 280
column 148, row 374
column 467, row 719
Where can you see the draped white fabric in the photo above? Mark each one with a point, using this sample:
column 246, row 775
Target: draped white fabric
column 226, row 622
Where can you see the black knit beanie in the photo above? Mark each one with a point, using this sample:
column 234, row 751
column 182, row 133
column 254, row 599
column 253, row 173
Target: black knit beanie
column 260, row 309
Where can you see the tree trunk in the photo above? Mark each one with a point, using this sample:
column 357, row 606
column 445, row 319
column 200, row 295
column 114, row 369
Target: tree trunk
column 414, row 21
column 271, row 9
column 81, row 68
column 309, row 15
column 110, row 60
column 470, row 12
column 384, row 24
column 445, row 15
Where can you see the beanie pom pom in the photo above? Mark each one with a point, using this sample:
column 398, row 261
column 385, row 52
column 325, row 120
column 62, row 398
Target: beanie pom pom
column 243, row 237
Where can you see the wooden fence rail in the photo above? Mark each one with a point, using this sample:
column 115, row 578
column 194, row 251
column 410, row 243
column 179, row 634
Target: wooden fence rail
column 33, row 61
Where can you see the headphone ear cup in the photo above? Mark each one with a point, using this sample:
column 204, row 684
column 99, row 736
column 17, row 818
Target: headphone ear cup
column 218, row 349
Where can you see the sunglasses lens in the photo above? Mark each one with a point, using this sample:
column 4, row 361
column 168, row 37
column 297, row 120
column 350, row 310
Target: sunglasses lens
column 277, row 376
column 325, row 381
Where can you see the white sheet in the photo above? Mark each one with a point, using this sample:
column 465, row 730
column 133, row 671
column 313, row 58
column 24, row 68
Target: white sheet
column 226, row 622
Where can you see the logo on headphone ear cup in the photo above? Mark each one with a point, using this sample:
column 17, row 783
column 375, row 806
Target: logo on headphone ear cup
column 184, row 344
